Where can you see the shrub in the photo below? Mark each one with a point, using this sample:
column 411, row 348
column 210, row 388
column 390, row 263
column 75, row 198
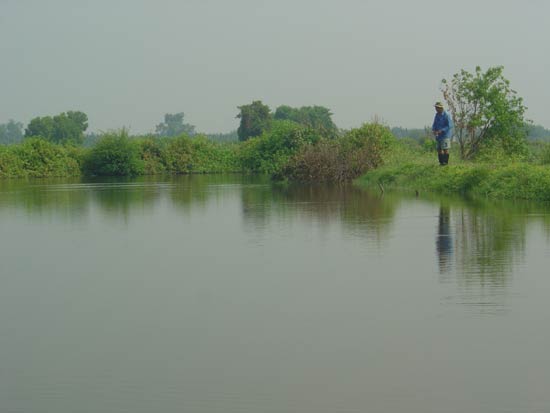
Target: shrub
column 341, row 159
column 152, row 151
column 115, row 155
column 40, row 158
column 270, row 152
column 11, row 165
column 177, row 155
column 208, row 156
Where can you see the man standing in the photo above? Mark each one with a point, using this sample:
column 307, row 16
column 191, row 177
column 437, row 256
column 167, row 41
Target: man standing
column 442, row 130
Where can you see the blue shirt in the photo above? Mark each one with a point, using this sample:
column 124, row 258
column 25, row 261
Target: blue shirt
column 444, row 123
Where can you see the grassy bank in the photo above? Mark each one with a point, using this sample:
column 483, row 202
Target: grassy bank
column 492, row 176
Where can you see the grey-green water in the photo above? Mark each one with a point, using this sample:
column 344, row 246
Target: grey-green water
column 227, row 294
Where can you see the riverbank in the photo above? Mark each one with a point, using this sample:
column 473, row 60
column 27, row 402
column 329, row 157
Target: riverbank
column 500, row 178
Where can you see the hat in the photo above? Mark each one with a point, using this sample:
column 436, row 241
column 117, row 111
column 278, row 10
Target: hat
column 438, row 105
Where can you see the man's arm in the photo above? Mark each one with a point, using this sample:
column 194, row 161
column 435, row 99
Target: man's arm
column 446, row 125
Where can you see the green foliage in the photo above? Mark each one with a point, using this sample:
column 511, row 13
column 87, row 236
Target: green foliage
column 152, row 150
column 544, row 156
column 173, row 126
column 11, row 132
column 270, row 152
column 177, row 155
column 11, row 165
column 183, row 155
column 486, row 112
column 39, row 158
column 255, row 119
column 209, row 157
column 317, row 118
column 342, row 159
column 65, row 128
column 114, row 155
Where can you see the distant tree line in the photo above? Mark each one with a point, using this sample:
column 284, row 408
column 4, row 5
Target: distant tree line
column 416, row 134
column 257, row 118
column 538, row 132
column 232, row 136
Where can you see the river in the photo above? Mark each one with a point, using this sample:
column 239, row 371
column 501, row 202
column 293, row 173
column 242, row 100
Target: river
column 231, row 294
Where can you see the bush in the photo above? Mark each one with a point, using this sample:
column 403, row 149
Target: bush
column 152, row 151
column 208, row 156
column 177, row 155
column 342, row 159
column 270, row 152
column 11, row 165
column 115, row 154
column 40, row 158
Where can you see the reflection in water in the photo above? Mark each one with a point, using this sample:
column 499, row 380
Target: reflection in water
column 363, row 214
column 478, row 244
column 444, row 239
column 230, row 294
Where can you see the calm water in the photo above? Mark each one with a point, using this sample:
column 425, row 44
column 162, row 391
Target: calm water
column 227, row 294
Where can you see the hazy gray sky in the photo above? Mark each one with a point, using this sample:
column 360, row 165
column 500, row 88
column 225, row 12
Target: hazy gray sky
column 127, row 62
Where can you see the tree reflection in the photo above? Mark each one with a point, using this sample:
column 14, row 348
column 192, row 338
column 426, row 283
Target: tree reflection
column 56, row 198
column 362, row 213
column 489, row 242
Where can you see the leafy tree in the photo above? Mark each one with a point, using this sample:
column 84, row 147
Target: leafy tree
column 317, row 118
column 65, row 128
column 255, row 119
column 173, row 126
column 40, row 126
column 11, row 132
column 487, row 113
column 78, row 118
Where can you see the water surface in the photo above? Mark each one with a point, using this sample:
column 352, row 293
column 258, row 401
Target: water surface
column 230, row 294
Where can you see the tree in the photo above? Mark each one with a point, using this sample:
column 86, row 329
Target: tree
column 255, row 119
column 317, row 118
column 173, row 126
column 486, row 112
column 538, row 132
column 11, row 132
column 65, row 128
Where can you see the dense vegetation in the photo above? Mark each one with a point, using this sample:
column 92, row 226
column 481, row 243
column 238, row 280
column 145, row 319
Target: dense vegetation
column 497, row 152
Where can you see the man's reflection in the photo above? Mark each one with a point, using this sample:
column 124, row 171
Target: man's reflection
column 444, row 240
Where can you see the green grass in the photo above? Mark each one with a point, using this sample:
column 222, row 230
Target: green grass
column 495, row 177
